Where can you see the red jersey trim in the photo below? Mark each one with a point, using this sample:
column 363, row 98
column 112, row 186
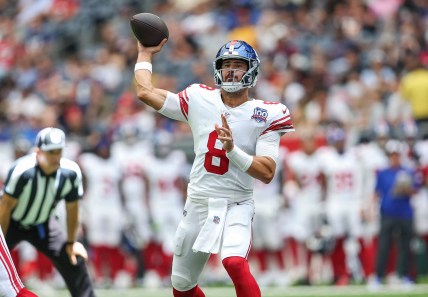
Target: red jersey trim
column 6, row 260
column 282, row 124
column 184, row 103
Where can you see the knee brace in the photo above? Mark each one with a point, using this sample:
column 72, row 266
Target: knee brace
column 195, row 292
column 181, row 283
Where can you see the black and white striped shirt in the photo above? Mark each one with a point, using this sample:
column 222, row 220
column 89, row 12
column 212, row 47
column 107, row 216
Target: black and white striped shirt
column 37, row 193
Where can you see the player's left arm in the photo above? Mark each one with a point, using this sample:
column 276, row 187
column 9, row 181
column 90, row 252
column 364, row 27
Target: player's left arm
column 264, row 162
column 261, row 166
column 267, row 147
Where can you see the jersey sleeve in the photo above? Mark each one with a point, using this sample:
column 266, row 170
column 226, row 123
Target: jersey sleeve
column 268, row 145
column 280, row 120
column 75, row 181
column 176, row 106
column 15, row 181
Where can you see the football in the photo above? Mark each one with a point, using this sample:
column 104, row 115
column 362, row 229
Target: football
column 149, row 29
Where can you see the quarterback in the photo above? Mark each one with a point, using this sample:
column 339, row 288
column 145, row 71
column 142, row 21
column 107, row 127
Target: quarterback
column 236, row 139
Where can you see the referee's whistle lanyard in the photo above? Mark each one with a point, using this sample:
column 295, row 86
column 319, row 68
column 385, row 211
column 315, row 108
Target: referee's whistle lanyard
column 41, row 230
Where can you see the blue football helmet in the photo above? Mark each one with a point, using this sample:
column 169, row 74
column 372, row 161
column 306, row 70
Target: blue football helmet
column 237, row 49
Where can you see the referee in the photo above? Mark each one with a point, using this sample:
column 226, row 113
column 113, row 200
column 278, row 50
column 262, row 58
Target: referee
column 34, row 186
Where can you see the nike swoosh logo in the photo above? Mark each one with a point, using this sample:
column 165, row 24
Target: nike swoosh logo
column 284, row 111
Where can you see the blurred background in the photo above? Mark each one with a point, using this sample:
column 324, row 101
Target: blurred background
column 358, row 65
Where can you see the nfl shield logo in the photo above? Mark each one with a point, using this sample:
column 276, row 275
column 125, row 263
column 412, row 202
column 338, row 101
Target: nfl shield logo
column 216, row 220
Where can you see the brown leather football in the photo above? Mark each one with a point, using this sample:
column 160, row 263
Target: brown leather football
column 149, row 29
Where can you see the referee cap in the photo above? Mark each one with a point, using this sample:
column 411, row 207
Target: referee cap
column 50, row 139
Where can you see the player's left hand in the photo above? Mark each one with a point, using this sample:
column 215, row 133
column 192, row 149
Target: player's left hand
column 74, row 250
column 225, row 134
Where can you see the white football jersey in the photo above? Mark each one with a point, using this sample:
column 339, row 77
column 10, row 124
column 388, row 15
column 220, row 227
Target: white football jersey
column 103, row 217
column 131, row 159
column 103, row 179
column 268, row 197
column 372, row 159
column 212, row 174
column 306, row 170
column 343, row 173
column 166, row 186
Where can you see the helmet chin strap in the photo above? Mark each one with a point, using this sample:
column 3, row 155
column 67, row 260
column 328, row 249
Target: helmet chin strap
column 231, row 87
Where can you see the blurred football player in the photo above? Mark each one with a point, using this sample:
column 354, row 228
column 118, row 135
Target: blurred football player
column 342, row 186
column 302, row 190
column 103, row 209
column 420, row 206
column 166, row 173
column 372, row 156
column 131, row 152
column 236, row 138
column 267, row 240
column 10, row 283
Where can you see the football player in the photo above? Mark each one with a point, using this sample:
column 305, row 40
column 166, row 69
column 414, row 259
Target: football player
column 166, row 173
column 373, row 158
column 130, row 153
column 236, row 139
column 104, row 217
column 10, row 283
column 342, row 185
column 302, row 190
column 268, row 243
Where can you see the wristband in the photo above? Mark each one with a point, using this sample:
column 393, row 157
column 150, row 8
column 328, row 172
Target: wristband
column 143, row 66
column 70, row 242
column 240, row 158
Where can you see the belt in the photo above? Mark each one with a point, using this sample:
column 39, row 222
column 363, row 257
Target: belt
column 24, row 227
column 39, row 227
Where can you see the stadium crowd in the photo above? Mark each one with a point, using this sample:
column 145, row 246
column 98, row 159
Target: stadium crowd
column 353, row 73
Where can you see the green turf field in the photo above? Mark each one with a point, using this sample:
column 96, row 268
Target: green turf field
column 313, row 291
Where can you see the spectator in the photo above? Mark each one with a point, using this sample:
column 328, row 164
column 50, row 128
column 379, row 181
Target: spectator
column 414, row 88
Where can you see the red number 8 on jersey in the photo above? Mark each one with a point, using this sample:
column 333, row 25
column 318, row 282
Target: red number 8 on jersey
column 223, row 167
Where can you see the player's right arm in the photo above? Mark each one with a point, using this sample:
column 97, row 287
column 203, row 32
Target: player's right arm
column 146, row 92
column 7, row 204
